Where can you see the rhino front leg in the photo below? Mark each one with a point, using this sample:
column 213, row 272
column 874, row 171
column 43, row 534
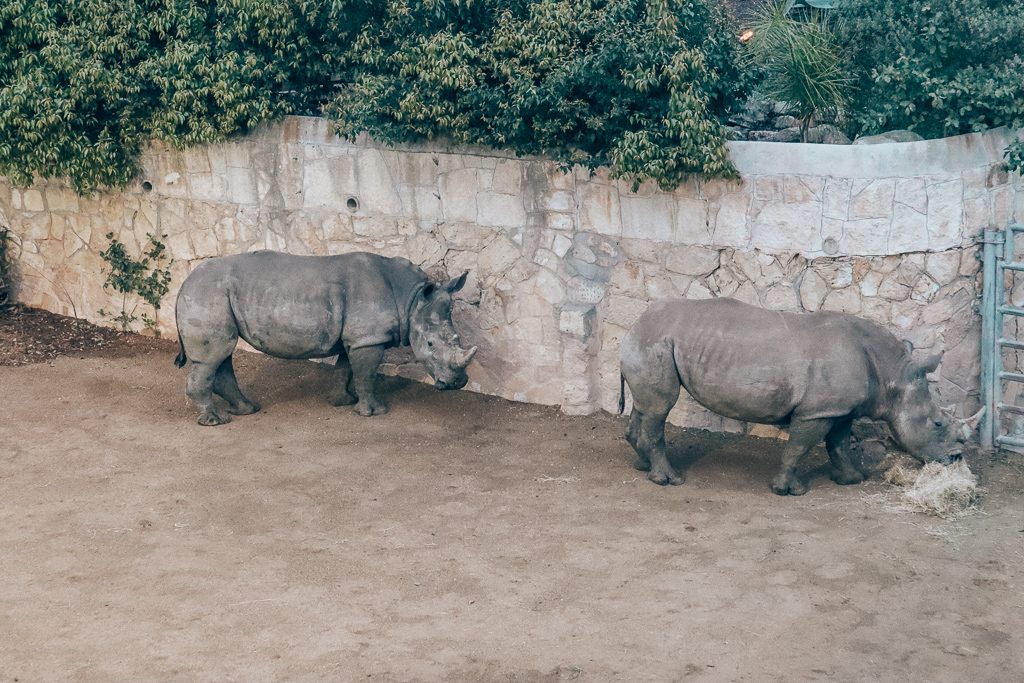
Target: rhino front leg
column 199, row 388
column 225, row 385
column 365, row 362
column 837, row 442
column 343, row 393
column 803, row 436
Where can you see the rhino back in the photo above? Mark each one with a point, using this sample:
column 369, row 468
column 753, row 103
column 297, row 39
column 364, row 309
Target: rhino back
column 303, row 306
column 752, row 364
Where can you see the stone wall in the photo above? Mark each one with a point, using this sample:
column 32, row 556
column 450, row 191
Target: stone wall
column 561, row 263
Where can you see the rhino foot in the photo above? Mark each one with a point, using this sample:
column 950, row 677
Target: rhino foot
column 212, row 419
column 663, row 478
column 247, row 408
column 788, row 486
column 368, row 408
column 641, row 464
column 342, row 399
column 846, row 477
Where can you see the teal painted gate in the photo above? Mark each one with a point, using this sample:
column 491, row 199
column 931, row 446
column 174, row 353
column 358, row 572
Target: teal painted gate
column 999, row 266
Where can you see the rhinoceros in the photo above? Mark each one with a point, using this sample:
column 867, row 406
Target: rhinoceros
column 811, row 372
column 353, row 306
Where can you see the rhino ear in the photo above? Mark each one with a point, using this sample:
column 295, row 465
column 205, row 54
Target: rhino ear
column 908, row 346
column 923, row 367
column 455, row 284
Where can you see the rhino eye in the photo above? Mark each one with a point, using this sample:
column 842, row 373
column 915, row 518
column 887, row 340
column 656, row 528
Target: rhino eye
column 430, row 343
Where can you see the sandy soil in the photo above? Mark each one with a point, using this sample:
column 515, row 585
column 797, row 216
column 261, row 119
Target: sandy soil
column 459, row 538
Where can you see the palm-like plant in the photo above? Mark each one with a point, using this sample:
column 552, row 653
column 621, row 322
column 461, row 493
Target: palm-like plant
column 801, row 60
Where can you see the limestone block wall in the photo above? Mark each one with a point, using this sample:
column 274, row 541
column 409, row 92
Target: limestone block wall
column 561, row 263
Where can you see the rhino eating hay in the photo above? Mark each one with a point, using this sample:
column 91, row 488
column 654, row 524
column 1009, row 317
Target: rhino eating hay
column 353, row 306
column 811, row 372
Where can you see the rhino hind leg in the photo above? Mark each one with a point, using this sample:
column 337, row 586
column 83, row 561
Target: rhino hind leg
column 343, row 394
column 632, row 436
column 364, row 362
column 803, row 436
column 225, row 385
column 837, row 442
column 199, row 388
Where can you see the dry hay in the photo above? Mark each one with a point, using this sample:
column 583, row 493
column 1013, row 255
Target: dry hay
column 947, row 491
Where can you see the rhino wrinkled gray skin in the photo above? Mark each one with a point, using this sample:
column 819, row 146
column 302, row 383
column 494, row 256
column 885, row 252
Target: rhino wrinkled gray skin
column 811, row 372
column 353, row 305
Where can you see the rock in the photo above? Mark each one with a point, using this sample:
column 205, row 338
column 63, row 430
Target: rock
column 812, row 290
column 784, row 135
column 827, row 134
column 786, row 122
column 891, row 136
column 692, row 260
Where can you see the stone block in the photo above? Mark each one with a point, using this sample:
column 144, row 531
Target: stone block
column 868, row 236
column 599, row 209
column 577, row 320
column 911, row 192
column 32, row 200
column 458, row 194
column 500, row 210
column 693, row 221
column 624, row 311
column 782, row 297
column 549, row 287
column 377, row 192
column 793, row 227
column 873, row 200
column 730, row 220
column 909, row 231
column 802, row 189
column 692, row 260
column 943, row 267
column 61, row 199
column 812, row 290
column 945, row 214
column 842, row 300
column 648, row 217
column 870, row 283
column 329, row 181
column 498, row 256
column 836, row 198
column 507, row 177
column 375, row 226
column 560, row 245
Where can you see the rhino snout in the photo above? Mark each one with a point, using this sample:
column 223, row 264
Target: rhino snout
column 457, row 383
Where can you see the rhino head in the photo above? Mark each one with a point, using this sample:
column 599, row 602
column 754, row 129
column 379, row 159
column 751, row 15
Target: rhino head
column 433, row 338
column 927, row 432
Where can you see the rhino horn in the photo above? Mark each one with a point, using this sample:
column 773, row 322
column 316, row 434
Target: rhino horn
column 969, row 424
column 467, row 357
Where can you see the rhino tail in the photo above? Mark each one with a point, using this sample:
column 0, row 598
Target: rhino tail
column 622, row 393
column 180, row 360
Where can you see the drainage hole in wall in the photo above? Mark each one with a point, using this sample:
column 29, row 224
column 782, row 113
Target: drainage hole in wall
column 147, row 186
column 353, row 204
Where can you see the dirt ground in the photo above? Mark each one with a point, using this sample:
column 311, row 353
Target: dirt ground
column 458, row 538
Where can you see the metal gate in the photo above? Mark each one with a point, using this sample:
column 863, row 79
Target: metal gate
column 999, row 268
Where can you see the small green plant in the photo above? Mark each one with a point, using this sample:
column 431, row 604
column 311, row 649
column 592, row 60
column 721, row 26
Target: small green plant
column 801, row 60
column 1014, row 155
column 142, row 278
column 5, row 269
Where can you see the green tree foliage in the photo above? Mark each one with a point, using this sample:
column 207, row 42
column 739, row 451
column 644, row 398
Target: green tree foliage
column 637, row 85
column 937, row 67
column 801, row 60
column 84, row 84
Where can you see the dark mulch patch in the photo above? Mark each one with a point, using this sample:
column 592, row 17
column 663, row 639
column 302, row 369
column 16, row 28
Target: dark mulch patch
column 32, row 335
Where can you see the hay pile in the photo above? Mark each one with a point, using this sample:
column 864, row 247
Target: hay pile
column 946, row 491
